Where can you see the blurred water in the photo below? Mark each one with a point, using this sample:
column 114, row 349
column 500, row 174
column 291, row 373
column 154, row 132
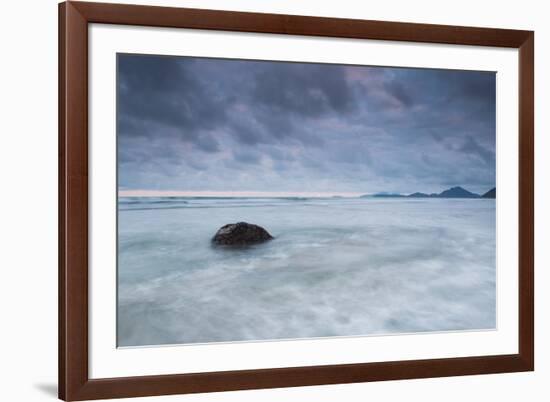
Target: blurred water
column 337, row 267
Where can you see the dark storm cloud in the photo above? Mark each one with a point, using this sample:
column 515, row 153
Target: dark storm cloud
column 247, row 156
column 471, row 147
column 307, row 90
column 165, row 91
column 214, row 124
column 398, row 91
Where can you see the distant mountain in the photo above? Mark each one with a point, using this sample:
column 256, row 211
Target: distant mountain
column 383, row 195
column 421, row 195
column 454, row 192
column 457, row 192
column 490, row 194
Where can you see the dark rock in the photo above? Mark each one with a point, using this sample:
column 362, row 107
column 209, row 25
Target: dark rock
column 240, row 234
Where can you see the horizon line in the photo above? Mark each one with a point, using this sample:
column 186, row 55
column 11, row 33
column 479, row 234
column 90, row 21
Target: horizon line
column 176, row 193
column 260, row 194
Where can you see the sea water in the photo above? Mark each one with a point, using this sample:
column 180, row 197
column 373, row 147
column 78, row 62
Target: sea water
column 337, row 267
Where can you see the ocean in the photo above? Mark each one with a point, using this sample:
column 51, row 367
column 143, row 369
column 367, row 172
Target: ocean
column 337, row 267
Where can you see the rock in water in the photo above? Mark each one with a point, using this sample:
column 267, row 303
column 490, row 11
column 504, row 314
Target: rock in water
column 240, row 234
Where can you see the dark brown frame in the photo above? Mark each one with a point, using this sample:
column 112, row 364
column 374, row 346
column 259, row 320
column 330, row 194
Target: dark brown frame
column 74, row 383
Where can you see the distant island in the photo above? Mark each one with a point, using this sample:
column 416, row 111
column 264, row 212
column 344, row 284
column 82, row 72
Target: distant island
column 490, row 194
column 454, row 192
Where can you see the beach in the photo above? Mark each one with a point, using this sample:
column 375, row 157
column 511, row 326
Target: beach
column 336, row 267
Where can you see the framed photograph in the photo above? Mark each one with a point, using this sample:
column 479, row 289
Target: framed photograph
column 258, row 201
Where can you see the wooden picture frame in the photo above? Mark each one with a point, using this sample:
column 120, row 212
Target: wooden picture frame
column 74, row 381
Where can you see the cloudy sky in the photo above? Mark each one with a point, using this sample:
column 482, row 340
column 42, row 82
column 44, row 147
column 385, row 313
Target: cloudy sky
column 196, row 124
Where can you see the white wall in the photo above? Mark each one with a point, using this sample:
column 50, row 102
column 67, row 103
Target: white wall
column 28, row 209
